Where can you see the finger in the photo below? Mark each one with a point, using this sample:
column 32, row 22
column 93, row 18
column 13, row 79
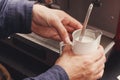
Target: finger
column 99, row 75
column 69, row 29
column 101, row 61
column 101, row 49
column 56, row 37
column 99, row 65
column 62, row 31
column 98, row 54
column 67, row 49
column 72, row 22
column 75, row 25
column 70, row 35
column 99, row 69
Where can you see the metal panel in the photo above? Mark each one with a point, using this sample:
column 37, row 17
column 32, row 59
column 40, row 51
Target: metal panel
column 104, row 17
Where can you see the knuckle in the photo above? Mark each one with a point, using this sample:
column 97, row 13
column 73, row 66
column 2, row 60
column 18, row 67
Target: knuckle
column 100, row 75
column 87, row 62
column 91, row 70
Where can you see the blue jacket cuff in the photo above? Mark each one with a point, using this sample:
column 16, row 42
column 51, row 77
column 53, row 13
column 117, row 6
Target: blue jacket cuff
column 54, row 73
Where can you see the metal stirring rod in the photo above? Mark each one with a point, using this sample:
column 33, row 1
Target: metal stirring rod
column 86, row 21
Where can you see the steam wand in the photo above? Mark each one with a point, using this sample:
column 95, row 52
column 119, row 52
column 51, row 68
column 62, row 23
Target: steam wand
column 86, row 21
column 96, row 3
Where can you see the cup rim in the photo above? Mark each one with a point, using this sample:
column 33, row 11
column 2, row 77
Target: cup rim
column 93, row 30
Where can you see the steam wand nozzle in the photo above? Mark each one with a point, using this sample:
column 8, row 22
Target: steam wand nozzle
column 97, row 3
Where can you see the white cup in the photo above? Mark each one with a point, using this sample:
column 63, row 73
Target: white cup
column 89, row 42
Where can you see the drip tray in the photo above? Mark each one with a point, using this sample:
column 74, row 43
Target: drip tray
column 106, row 42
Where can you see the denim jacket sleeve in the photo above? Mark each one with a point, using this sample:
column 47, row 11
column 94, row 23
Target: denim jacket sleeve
column 54, row 73
column 15, row 16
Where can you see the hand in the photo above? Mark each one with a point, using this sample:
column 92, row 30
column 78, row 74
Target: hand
column 82, row 67
column 4, row 74
column 53, row 24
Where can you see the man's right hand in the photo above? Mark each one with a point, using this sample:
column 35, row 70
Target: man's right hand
column 82, row 67
column 53, row 24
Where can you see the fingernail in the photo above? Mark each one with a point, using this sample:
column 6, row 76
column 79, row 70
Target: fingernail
column 67, row 40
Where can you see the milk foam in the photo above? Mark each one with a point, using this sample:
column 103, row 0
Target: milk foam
column 86, row 39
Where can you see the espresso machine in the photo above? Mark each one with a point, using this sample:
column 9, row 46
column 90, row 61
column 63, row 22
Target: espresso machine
column 30, row 51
